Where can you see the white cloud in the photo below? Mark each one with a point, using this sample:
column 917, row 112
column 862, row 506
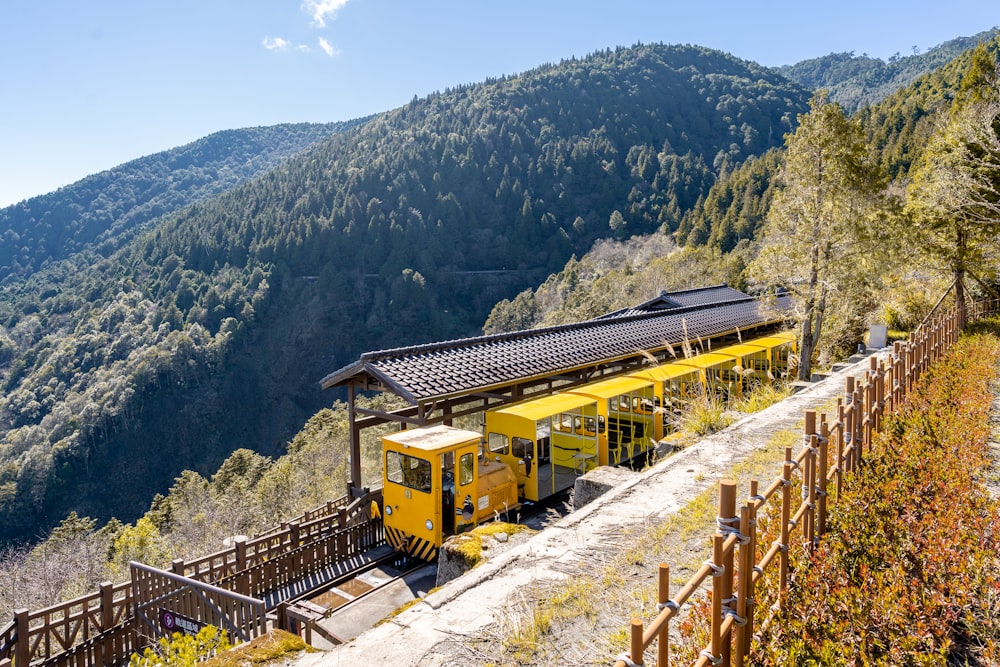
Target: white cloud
column 320, row 11
column 275, row 44
column 328, row 48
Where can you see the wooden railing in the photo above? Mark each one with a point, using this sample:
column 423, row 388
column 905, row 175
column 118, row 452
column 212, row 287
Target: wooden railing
column 99, row 629
column 831, row 449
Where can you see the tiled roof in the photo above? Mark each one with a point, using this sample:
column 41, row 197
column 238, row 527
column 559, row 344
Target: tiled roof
column 698, row 296
column 469, row 365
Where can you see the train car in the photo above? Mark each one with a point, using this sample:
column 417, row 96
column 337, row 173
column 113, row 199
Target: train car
column 674, row 384
column 627, row 408
column 435, row 483
column 548, row 441
column 439, row 480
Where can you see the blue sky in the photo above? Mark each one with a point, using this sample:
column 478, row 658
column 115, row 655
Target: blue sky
column 90, row 84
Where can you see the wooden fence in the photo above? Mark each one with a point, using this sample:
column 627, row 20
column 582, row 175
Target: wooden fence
column 100, row 629
column 831, row 450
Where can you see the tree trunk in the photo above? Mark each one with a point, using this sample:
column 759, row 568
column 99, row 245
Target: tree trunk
column 960, row 305
column 805, row 349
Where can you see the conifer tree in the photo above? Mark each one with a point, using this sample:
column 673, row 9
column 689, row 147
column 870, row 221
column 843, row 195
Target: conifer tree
column 818, row 222
column 953, row 201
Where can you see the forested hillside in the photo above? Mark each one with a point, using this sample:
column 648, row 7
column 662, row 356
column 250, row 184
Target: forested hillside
column 856, row 82
column 209, row 330
column 100, row 212
column 717, row 238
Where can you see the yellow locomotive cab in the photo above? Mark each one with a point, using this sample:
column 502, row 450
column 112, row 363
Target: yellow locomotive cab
column 435, row 484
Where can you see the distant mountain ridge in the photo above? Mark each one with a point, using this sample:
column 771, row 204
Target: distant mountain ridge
column 210, row 329
column 101, row 211
column 859, row 81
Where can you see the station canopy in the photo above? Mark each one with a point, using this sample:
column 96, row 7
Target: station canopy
column 504, row 365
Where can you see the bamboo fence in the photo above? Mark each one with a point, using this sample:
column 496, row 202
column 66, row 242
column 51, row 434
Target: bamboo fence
column 831, row 450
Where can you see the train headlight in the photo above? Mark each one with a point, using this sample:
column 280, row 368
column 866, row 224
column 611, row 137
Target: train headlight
column 429, row 524
column 388, row 510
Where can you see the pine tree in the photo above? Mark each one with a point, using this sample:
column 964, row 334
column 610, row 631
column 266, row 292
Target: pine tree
column 817, row 224
column 953, row 201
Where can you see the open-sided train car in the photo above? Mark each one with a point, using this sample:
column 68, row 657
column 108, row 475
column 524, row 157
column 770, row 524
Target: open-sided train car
column 548, row 441
column 439, row 480
column 626, row 409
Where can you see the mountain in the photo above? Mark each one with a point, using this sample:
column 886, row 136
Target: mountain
column 208, row 329
column 859, row 81
column 714, row 240
column 100, row 212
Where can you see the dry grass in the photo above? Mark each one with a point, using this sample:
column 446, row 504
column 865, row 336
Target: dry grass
column 583, row 619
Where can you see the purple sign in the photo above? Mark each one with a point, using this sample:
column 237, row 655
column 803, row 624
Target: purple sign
column 173, row 622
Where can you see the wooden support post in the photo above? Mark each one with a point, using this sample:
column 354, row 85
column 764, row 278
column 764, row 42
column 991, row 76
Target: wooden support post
column 294, row 535
column 177, row 566
column 635, row 642
column 727, row 521
column 743, row 584
column 849, row 426
column 241, row 552
column 355, row 439
column 824, row 462
column 786, row 508
column 841, row 431
column 22, row 651
column 663, row 596
column 808, row 476
column 717, row 596
column 750, row 588
column 107, row 658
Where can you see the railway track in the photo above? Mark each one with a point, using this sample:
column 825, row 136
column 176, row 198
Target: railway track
column 340, row 610
column 337, row 611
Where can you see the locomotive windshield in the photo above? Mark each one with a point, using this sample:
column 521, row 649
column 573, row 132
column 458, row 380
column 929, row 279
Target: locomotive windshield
column 409, row 471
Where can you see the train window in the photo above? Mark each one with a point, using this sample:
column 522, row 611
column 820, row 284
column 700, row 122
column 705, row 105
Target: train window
column 578, row 424
column 564, row 423
column 409, row 471
column 623, row 402
column 543, row 450
column 522, row 448
column 600, row 424
column 589, row 426
column 499, row 443
column 465, row 469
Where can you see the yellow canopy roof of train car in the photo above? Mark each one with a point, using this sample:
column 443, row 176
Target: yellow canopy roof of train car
column 546, row 406
column 613, row 387
column 668, row 371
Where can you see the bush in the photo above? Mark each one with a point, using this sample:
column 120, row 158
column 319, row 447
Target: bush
column 910, row 570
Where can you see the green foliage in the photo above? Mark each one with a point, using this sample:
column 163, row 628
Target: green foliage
column 735, row 207
column 102, row 212
column 819, row 229
column 953, row 201
column 141, row 542
column 705, row 414
column 855, row 82
column 614, row 275
column 182, row 650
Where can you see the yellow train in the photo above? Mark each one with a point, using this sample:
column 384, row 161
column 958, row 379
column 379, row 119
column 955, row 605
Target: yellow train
column 439, row 480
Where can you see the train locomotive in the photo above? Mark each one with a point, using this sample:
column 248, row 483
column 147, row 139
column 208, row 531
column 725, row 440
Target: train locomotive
column 439, row 480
